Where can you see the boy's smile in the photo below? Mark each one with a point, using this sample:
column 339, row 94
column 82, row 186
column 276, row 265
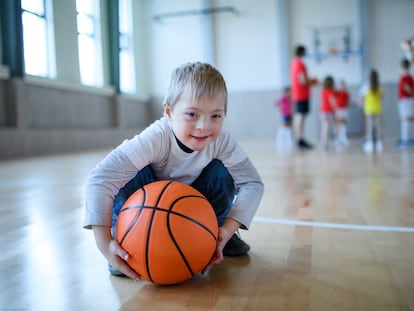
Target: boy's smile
column 196, row 122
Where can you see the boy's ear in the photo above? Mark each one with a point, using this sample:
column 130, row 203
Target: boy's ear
column 167, row 109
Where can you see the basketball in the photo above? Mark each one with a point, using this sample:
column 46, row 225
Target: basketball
column 169, row 230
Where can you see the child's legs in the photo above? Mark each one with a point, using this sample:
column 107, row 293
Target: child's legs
column 406, row 113
column 217, row 185
column 325, row 122
column 376, row 121
column 144, row 176
column 405, row 130
column 341, row 120
column 287, row 121
column 369, row 126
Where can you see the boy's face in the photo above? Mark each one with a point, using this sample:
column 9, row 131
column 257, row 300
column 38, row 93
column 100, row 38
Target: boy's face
column 196, row 123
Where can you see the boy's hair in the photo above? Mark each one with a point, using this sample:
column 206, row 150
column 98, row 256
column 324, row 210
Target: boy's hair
column 405, row 64
column 300, row 50
column 328, row 83
column 201, row 79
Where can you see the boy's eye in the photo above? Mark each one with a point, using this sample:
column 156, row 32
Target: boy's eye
column 217, row 116
column 191, row 114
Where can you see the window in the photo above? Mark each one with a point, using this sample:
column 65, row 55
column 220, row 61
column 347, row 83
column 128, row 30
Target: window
column 126, row 48
column 38, row 38
column 90, row 51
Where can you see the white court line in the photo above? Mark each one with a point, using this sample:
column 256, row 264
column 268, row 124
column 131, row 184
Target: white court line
column 331, row 225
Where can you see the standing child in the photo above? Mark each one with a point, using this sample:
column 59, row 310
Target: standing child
column 371, row 94
column 301, row 85
column 406, row 105
column 327, row 109
column 341, row 114
column 188, row 145
column 284, row 133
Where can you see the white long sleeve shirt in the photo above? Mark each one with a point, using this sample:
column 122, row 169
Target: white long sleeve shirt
column 157, row 146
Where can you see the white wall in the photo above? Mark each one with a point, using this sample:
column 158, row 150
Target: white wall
column 249, row 51
column 247, row 45
column 392, row 22
column 174, row 40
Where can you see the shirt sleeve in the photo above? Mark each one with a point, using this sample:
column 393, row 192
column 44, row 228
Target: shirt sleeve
column 247, row 180
column 103, row 184
column 250, row 191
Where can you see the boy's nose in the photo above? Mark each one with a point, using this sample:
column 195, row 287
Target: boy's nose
column 203, row 123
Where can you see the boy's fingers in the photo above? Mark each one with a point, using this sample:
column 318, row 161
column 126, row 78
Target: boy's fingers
column 128, row 271
column 123, row 254
column 206, row 269
column 131, row 273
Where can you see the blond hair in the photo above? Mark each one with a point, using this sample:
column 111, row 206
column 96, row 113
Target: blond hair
column 201, row 79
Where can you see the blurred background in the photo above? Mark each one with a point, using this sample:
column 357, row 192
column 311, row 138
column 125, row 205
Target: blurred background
column 86, row 74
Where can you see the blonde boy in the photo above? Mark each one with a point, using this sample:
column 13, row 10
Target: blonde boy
column 188, row 144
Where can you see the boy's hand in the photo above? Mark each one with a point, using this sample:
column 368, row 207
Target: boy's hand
column 218, row 254
column 225, row 232
column 118, row 257
column 113, row 252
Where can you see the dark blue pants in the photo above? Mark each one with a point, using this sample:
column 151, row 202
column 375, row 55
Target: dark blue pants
column 214, row 182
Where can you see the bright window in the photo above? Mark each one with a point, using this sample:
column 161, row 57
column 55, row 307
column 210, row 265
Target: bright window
column 90, row 51
column 38, row 38
column 126, row 51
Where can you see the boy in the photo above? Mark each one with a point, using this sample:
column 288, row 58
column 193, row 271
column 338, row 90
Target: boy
column 188, row 145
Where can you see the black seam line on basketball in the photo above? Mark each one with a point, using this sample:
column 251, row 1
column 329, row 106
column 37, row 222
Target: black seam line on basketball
column 149, row 230
column 132, row 225
column 169, row 213
column 160, row 209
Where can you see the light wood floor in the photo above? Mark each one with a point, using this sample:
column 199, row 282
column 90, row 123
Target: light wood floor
column 299, row 259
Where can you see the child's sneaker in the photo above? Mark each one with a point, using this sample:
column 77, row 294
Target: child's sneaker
column 378, row 146
column 236, row 247
column 339, row 145
column 368, row 146
column 114, row 271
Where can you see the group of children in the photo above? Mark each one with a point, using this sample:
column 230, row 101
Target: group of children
column 333, row 111
column 333, row 115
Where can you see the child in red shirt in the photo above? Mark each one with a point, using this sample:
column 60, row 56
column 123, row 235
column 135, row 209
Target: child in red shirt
column 327, row 109
column 406, row 105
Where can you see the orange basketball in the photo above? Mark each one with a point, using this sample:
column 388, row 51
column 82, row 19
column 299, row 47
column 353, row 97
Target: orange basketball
column 170, row 231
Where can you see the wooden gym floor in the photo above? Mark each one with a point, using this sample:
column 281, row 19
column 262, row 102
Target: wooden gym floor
column 334, row 231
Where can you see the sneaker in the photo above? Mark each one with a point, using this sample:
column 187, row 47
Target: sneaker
column 303, row 144
column 339, row 145
column 236, row 247
column 114, row 271
column 368, row 146
column 378, row 146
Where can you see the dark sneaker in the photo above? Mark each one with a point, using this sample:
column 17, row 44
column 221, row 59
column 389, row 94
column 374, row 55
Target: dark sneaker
column 114, row 271
column 303, row 144
column 236, row 247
